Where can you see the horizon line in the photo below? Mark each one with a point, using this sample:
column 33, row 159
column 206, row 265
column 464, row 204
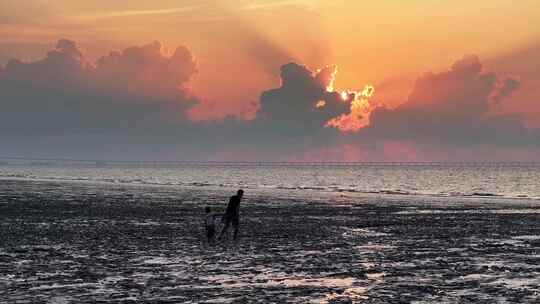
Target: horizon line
column 274, row 163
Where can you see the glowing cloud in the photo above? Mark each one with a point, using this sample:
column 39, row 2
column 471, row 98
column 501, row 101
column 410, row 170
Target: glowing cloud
column 360, row 110
column 320, row 104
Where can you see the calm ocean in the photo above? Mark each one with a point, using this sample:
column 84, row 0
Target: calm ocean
column 504, row 181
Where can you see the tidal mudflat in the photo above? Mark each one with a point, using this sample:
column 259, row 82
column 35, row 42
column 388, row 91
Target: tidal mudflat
column 67, row 242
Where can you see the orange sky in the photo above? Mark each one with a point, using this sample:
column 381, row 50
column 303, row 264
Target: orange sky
column 240, row 44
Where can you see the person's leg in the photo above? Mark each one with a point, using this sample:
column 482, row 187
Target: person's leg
column 236, row 223
column 235, row 232
column 225, row 228
column 211, row 235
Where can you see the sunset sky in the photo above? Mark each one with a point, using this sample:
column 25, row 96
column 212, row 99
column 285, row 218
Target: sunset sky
column 197, row 79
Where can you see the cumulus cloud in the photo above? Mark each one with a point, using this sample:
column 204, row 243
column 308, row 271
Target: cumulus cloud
column 303, row 103
column 145, row 70
column 135, row 103
column 290, row 120
column 136, row 90
column 452, row 108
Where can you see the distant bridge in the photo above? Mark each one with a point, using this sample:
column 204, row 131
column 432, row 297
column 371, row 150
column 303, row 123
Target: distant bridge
column 94, row 162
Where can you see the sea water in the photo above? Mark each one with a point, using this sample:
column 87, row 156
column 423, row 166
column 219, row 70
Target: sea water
column 449, row 180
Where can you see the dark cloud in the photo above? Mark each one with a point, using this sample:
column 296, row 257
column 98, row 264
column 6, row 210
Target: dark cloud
column 452, row 108
column 133, row 104
column 288, row 122
column 135, row 91
column 303, row 103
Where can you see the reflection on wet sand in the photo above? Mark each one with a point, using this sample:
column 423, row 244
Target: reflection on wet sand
column 72, row 243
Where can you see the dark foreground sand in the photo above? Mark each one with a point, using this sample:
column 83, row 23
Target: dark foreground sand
column 79, row 243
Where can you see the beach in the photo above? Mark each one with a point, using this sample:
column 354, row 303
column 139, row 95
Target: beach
column 83, row 242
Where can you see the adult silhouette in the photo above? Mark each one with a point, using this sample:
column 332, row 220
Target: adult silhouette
column 232, row 214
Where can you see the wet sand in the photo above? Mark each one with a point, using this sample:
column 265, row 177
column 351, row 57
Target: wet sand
column 84, row 243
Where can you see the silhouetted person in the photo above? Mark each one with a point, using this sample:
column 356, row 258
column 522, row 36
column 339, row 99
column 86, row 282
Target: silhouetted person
column 210, row 225
column 232, row 214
